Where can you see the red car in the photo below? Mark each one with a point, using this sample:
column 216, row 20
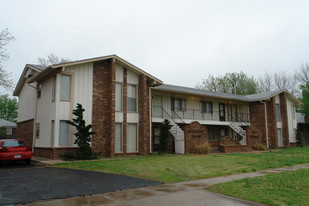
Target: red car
column 15, row 149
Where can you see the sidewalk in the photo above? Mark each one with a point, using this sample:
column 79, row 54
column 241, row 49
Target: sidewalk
column 180, row 194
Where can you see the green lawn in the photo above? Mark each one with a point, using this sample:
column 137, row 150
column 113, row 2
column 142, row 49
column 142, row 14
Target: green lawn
column 177, row 168
column 287, row 188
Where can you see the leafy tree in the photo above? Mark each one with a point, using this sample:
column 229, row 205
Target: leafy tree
column 83, row 134
column 8, row 108
column 164, row 132
column 304, row 108
column 232, row 83
column 51, row 59
column 5, row 38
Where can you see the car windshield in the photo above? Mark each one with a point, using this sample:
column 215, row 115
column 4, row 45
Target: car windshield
column 13, row 143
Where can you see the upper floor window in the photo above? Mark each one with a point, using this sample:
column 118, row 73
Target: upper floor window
column 53, row 88
column 118, row 97
column 65, row 92
column 39, row 90
column 178, row 104
column 278, row 115
column 206, row 107
column 132, row 103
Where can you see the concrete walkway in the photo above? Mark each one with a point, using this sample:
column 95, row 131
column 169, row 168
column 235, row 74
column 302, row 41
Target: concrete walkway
column 180, row 194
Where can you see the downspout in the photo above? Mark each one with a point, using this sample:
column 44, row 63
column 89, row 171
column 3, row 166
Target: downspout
column 150, row 121
column 266, row 124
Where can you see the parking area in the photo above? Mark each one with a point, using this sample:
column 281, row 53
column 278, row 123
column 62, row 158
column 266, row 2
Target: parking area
column 22, row 183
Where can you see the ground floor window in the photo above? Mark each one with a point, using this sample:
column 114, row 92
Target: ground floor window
column 118, row 137
column 131, row 137
column 52, row 132
column 280, row 143
column 63, row 133
column 210, row 133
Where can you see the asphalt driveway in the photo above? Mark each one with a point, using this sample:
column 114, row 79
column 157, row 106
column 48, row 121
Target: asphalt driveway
column 24, row 184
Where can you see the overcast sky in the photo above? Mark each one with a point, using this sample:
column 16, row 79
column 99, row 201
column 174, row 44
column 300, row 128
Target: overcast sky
column 179, row 42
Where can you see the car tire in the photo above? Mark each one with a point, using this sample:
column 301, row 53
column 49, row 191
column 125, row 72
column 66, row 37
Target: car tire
column 27, row 161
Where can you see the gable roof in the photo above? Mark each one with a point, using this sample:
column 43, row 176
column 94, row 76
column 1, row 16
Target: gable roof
column 22, row 78
column 5, row 123
column 246, row 98
column 121, row 61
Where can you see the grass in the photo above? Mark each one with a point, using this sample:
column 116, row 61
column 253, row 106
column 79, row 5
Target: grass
column 287, row 188
column 177, row 168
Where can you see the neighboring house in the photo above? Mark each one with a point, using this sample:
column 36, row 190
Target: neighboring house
column 303, row 127
column 126, row 105
column 8, row 129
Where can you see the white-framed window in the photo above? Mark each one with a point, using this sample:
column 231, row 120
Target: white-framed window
column 63, row 133
column 53, row 88
column 118, row 96
column 206, row 107
column 178, row 104
column 9, row 130
column 37, row 130
column 39, row 89
column 132, row 138
column 65, row 91
column 132, row 96
column 278, row 114
column 118, row 138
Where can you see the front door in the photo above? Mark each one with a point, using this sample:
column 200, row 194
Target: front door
column 221, row 111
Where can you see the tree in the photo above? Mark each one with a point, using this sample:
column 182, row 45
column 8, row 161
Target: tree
column 304, row 108
column 8, row 108
column 302, row 75
column 279, row 81
column 83, row 134
column 51, row 59
column 5, row 38
column 232, row 83
column 164, row 132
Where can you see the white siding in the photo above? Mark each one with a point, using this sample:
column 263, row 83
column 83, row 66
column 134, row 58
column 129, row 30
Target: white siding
column 26, row 102
column 46, row 110
column 292, row 124
column 132, row 78
column 119, row 73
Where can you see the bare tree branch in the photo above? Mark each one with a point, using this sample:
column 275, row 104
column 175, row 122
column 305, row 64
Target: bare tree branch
column 51, row 59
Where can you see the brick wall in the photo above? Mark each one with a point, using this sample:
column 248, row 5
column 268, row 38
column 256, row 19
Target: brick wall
column 103, row 107
column 272, row 123
column 144, row 117
column 284, row 119
column 52, row 152
column 256, row 133
column 195, row 134
column 25, row 131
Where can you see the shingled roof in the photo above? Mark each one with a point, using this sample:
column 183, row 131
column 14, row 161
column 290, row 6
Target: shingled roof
column 246, row 98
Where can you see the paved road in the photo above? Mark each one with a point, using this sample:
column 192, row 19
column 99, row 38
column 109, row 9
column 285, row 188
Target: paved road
column 22, row 184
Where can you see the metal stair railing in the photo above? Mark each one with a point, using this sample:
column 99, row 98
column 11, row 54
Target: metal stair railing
column 176, row 129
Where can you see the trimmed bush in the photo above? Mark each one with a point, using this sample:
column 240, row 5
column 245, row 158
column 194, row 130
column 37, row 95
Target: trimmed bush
column 259, row 147
column 203, row 148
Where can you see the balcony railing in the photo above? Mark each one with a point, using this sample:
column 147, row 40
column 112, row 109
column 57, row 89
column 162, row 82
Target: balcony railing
column 194, row 114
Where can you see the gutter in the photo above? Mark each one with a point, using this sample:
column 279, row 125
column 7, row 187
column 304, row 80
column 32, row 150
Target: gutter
column 266, row 124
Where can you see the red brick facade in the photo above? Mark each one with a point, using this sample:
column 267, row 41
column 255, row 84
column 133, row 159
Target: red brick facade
column 195, row 134
column 284, row 119
column 25, row 131
column 52, row 152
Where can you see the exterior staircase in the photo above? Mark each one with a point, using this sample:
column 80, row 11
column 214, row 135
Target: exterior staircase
column 177, row 132
column 236, row 127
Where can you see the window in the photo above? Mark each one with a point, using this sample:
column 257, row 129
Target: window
column 280, row 143
column 118, row 97
column 37, row 132
column 39, row 90
column 131, row 137
column 223, row 133
column 9, row 130
column 65, row 93
column 53, row 88
column 63, row 133
column 52, row 132
column 178, row 104
column 118, row 137
column 278, row 115
column 206, row 107
column 293, row 111
column 132, row 98
column 210, row 133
